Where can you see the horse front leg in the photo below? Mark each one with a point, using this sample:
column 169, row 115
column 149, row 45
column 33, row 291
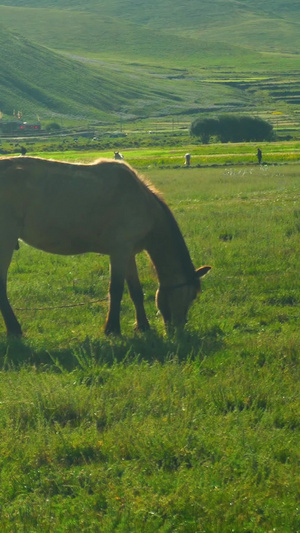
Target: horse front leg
column 137, row 295
column 12, row 325
column 116, row 288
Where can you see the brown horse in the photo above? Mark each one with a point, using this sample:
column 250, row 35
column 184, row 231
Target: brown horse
column 103, row 207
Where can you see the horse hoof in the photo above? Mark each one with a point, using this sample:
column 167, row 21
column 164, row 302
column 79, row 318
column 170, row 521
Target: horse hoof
column 16, row 333
column 116, row 332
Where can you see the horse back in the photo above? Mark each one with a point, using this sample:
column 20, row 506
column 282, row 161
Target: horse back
column 74, row 208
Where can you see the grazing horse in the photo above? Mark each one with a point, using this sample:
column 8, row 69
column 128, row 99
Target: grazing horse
column 102, row 207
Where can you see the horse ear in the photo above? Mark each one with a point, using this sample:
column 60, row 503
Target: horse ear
column 200, row 272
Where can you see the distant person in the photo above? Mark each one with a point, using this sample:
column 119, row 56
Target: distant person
column 259, row 155
column 23, row 150
column 118, row 156
column 187, row 158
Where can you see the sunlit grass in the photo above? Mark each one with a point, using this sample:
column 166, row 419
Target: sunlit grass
column 201, row 155
column 194, row 432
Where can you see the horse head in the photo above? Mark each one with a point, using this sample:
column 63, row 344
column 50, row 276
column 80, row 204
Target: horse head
column 174, row 301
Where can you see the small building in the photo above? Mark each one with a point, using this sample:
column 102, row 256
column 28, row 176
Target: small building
column 18, row 127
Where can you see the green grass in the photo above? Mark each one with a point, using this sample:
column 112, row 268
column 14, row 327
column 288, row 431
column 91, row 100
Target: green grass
column 195, row 432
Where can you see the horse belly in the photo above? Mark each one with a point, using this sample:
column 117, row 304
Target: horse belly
column 60, row 232
column 83, row 234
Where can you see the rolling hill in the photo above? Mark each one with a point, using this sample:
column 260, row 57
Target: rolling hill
column 42, row 82
column 174, row 13
column 36, row 80
column 109, row 39
column 153, row 57
column 144, row 27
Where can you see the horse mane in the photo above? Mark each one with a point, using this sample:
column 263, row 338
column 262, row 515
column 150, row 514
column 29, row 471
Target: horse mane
column 187, row 263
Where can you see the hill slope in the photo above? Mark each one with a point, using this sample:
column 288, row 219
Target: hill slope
column 173, row 13
column 35, row 80
column 152, row 57
column 32, row 78
column 117, row 40
column 129, row 26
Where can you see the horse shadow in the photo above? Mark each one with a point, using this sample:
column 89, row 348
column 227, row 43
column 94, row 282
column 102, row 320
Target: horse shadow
column 107, row 351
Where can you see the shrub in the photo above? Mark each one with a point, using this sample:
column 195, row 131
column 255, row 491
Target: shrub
column 204, row 128
column 52, row 126
column 230, row 128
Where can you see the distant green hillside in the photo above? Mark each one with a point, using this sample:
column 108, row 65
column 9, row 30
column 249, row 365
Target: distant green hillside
column 160, row 31
column 174, row 13
column 33, row 79
column 115, row 40
column 141, row 58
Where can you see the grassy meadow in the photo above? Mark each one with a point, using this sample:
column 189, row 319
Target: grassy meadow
column 194, row 432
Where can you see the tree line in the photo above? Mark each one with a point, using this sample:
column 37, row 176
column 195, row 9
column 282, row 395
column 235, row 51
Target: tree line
column 232, row 129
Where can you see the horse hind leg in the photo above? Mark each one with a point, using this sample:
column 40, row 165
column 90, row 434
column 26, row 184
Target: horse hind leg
column 12, row 325
column 137, row 296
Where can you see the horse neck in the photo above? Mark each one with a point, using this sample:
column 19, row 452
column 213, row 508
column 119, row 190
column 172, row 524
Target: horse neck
column 168, row 251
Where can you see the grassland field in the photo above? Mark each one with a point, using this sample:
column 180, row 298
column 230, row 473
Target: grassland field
column 195, row 432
